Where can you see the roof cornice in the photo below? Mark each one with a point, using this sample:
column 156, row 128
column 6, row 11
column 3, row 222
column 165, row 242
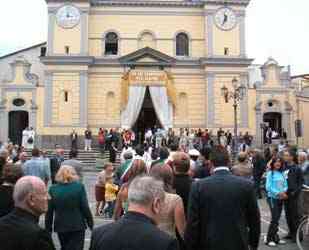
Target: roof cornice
column 184, row 3
column 195, row 4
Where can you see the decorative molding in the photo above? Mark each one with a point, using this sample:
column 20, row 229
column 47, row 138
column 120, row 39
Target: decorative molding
column 226, row 61
column 193, row 4
column 67, row 60
column 132, row 58
column 145, row 13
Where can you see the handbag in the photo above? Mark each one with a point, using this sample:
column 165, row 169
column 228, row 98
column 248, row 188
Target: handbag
column 30, row 140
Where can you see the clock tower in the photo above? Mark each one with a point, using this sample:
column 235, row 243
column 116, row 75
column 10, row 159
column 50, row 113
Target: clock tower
column 68, row 28
column 66, row 65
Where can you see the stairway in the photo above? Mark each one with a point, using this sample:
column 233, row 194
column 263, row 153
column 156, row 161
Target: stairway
column 93, row 161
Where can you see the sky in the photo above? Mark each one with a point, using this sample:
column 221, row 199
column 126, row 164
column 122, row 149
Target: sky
column 274, row 28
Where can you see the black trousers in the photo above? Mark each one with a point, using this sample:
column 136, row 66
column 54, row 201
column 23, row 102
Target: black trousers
column 257, row 183
column 72, row 240
column 292, row 214
column 276, row 207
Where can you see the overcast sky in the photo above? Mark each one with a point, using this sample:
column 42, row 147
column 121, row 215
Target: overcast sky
column 277, row 28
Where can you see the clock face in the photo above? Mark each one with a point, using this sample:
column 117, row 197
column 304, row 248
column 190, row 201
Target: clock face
column 225, row 18
column 68, row 16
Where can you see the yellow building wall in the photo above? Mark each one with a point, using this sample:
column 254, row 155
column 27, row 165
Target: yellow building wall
column 103, row 110
column 195, row 89
column 67, row 37
column 226, row 39
column 130, row 27
column 65, row 113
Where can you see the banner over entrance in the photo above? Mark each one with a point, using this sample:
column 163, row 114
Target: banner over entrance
column 145, row 78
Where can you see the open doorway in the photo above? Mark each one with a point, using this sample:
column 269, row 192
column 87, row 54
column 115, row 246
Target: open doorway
column 18, row 121
column 147, row 118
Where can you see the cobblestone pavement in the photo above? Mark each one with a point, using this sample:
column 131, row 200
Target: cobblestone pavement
column 89, row 181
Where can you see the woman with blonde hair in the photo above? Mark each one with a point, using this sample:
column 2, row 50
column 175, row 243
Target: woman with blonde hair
column 68, row 210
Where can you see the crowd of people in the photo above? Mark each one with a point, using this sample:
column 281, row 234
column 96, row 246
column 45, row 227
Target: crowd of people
column 166, row 194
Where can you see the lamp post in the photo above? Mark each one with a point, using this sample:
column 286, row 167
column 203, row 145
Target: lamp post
column 236, row 94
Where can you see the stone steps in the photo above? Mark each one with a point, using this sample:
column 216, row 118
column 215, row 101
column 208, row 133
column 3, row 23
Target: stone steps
column 92, row 160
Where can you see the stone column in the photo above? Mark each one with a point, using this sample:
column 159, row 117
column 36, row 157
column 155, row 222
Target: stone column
column 51, row 28
column 210, row 100
column 209, row 22
column 4, row 124
column 48, row 101
column 242, row 35
column 83, row 102
column 84, row 33
column 259, row 120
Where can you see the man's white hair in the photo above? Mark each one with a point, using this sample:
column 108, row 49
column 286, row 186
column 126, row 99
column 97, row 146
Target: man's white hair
column 23, row 187
column 303, row 154
column 144, row 189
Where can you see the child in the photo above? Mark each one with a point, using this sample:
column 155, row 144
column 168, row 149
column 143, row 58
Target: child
column 110, row 195
column 276, row 187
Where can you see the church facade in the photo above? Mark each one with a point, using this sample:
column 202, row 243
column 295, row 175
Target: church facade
column 137, row 64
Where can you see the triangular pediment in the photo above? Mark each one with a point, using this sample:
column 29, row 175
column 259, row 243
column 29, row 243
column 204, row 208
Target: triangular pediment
column 147, row 56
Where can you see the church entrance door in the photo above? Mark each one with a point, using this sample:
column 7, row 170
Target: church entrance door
column 18, row 121
column 147, row 118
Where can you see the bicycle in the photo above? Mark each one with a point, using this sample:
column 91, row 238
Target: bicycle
column 302, row 235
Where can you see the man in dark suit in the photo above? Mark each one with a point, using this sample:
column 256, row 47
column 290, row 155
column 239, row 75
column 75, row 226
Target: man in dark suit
column 55, row 163
column 19, row 230
column 223, row 213
column 137, row 228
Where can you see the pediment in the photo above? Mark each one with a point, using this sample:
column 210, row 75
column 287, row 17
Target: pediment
column 147, row 57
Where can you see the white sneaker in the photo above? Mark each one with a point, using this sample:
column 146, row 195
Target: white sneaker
column 281, row 242
column 271, row 244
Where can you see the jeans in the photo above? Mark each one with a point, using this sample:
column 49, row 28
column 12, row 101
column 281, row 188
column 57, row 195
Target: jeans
column 87, row 144
column 72, row 240
column 110, row 208
column 276, row 207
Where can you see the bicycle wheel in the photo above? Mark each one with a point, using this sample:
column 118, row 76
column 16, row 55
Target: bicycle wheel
column 302, row 236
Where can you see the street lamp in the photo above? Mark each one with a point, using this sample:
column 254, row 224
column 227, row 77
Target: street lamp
column 237, row 94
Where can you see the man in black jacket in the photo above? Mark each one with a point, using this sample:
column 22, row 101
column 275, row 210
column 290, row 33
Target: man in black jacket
column 295, row 180
column 223, row 213
column 19, row 230
column 137, row 228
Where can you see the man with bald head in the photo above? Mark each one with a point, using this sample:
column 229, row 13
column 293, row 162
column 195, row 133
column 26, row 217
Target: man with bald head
column 19, row 230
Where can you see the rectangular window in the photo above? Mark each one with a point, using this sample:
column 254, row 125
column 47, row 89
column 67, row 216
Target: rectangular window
column 67, row 50
column 66, row 96
column 226, row 51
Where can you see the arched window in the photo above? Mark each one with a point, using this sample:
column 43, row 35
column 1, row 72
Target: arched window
column 111, row 43
column 147, row 40
column 182, row 44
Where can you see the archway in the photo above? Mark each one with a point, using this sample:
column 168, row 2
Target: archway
column 274, row 121
column 18, row 121
column 147, row 118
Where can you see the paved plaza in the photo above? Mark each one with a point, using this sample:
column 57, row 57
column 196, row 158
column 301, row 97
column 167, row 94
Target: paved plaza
column 89, row 181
